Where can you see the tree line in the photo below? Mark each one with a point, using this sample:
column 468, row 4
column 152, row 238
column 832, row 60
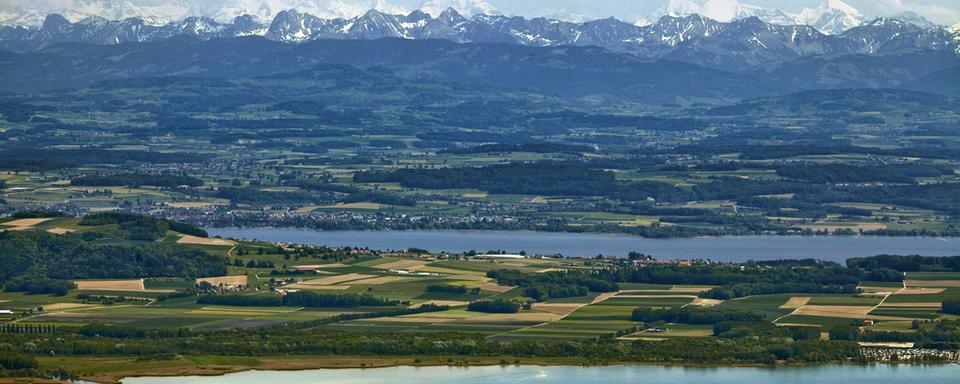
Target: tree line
column 298, row 299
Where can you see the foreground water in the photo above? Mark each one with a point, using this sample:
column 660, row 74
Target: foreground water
column 834, row 248
column 872, row 374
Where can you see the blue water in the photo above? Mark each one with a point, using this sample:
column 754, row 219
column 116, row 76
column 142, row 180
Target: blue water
column 728, row 249
column 828, row 374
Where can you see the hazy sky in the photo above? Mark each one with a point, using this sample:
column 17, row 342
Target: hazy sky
column 945, row 12
column 939, row 11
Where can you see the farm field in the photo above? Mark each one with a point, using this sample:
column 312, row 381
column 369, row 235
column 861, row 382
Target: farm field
column 233, row 286
column 409, row 280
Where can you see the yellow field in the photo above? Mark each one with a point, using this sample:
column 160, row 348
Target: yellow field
column 933, row 283
column 59, row 231
column 187, row 239
column 135, row 285
column 332, row 280
column 532, row 317
column 65, row 306
column 921, row 291
column 706, row 302
column 795, row 302
column 27, row 223
column 839, row 311
column 495, row 288
column 603, row 297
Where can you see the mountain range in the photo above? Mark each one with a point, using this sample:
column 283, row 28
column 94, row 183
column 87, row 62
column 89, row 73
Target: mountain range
column 735, row 45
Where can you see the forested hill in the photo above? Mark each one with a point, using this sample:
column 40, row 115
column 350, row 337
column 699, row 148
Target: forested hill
column 121, row 250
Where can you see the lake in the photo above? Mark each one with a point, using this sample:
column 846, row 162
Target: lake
column 729, row 249
column 846, row 374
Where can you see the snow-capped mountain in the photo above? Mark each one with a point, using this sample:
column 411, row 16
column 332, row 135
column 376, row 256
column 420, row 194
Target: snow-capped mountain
column 915, row 19
column 888, row 34
column 735, row 45
column 464, row 7
column 33, row 13
column 830, row 17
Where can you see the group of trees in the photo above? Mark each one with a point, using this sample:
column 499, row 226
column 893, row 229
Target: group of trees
column 137, row 179
column 543, row 286
column 844, row 173
column 41, row 254
column 494, row 306
column 298, row 299
column 952, row 307
column 310, row 339
column 554, row 291
column 447, row 288
column 39, row 286
column 693, row 315
column 44, row 159
column 914, row 263
column 379, row 197
column 140, row 227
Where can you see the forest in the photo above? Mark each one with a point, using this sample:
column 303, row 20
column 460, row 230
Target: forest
column 70, row 256
column 137, row 179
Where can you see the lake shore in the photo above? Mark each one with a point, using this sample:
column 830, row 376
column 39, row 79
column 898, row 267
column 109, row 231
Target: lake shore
column 112, row 370
column 723, row 248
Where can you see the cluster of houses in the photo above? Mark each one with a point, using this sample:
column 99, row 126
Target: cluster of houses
column 405, row 272
column 651, row 261
column 910, row 354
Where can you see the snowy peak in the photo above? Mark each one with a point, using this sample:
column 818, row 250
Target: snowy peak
column 831, row 17
column 915, row 19
column 450, row 17
column 375, row 24
column 744, row 42
column 720, row 10
column 464, row 7
column 293, row 26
